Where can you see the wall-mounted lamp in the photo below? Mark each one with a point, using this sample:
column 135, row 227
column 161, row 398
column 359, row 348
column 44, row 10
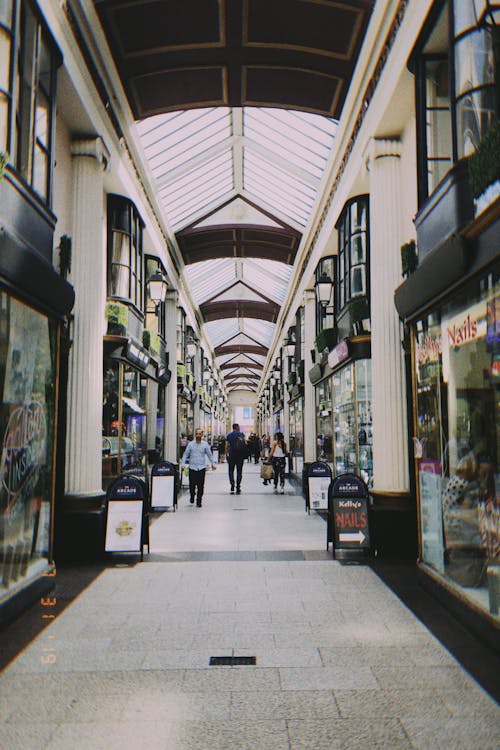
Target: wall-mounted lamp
column 157, row 287
column 289, row 346
column 324, row 288
column 191, row 348
column 206, row 376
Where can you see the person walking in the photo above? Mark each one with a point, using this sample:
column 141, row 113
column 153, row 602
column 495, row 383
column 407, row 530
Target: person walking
column 236, row 452
column 196, row 453
column 277, row 454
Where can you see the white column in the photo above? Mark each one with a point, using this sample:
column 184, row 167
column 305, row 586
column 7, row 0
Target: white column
column 171, row 426
column 309, row 390
column 390, row 463
column 88, row 276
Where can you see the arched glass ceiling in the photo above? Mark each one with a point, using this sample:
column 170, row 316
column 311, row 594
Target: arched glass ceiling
column 202, row 160
column 199, row 157
column 210, row 278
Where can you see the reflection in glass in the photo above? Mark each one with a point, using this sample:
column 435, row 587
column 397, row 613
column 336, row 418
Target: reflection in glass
column 27, row 387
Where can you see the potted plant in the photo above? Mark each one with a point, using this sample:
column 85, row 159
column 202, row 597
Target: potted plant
column 292, row 378
column 4, row 158
column 484, row 169
column 326, row 339
column 117, row 317
column 359, row 313
column 409, row 258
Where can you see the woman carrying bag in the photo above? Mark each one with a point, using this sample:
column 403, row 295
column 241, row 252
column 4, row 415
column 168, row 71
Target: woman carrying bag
column 277, row 455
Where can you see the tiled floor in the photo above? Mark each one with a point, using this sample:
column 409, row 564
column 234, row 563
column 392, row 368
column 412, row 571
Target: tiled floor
column 341, row 662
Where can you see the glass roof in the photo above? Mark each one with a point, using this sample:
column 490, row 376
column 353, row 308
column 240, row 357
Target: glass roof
column 203, row 159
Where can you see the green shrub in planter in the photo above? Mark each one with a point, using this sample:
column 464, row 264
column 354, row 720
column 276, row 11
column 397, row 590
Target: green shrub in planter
column 409, row 259
column 359, row 309
column 146, row 339
column 484, row 163
column 117, row 317
column 4, row 158
column 292, row 378
column 326, row 339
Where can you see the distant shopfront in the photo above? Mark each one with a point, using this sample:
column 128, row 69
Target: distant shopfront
column 457, row 440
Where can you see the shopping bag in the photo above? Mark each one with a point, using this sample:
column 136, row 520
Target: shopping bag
column 266, row 471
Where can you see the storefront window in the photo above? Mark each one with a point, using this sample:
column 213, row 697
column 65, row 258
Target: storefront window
column 186, row 424
column 324, row 421
column 457, row 445
column 364, row 422
column 28, row 391
column 352, row 420
column 296, row 446
column 133, row 421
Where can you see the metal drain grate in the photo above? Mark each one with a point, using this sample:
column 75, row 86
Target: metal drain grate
column 232, row 661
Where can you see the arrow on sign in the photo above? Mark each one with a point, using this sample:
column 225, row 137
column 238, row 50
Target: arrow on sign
column 357, row 537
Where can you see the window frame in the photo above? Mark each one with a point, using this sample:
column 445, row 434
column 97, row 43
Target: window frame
column 444, row 13
column 124, row 220
column 22, row 140
column 346, row 236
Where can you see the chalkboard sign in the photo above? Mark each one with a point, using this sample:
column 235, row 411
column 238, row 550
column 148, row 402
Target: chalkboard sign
column 125, row 515
column 350, row 513
column 319, row 477
column 164, row 486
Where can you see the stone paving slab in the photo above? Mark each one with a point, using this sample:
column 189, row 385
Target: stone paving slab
column 341, row 663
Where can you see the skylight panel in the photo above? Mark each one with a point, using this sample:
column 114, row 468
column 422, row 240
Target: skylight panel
column 219, row 331
column 258, row 165
column 279, row 129
column 294, row 150
column 210, row 277
column 260, row 330
column 268, row 276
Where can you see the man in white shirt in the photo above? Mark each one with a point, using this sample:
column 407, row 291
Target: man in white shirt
column 196, row 454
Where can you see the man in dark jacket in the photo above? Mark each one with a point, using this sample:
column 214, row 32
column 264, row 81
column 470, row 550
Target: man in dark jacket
column 236, row 452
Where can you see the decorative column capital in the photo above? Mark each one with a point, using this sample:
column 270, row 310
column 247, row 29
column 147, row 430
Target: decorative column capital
column 309, row 295
column 380, row 148
column 172, row 296
column 93, row 147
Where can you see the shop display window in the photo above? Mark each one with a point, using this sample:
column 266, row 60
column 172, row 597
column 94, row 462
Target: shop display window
column 133, row 421
column 457, row 445
column 28, row 356
column 296, row 447
column 324, row 421
column 186, row 424
column 352, row 420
